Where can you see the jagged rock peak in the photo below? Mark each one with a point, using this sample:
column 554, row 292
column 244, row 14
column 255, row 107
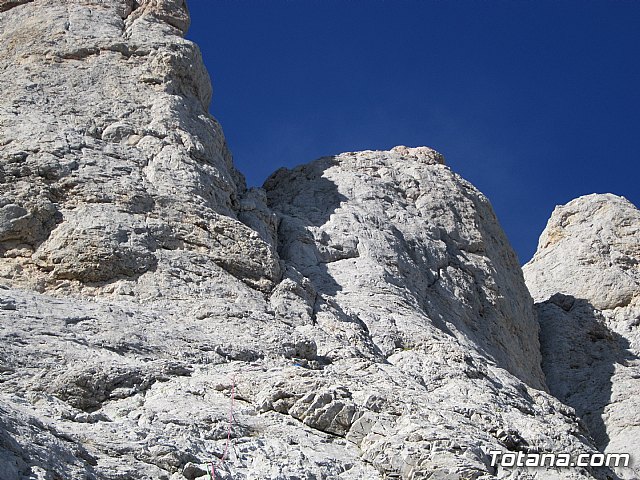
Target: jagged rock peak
column 421, row 154
column 426, row 154
column 365, row 161
column 360, row 222
column 173, row 12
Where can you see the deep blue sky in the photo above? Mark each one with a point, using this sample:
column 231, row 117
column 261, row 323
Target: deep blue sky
column 535, row 102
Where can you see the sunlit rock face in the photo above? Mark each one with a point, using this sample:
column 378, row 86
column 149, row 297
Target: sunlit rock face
column 112, row 167
column 359, row 317
column 586, row 278
column 409, row 249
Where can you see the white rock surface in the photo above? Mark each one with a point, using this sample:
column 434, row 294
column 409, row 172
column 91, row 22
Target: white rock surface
column 408, row 250
column 111, row 164
column 586, row 278
column 142, row 390
column 361, row 317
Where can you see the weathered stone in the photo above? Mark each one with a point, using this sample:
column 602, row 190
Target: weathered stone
column 359, row 317
column 107, row 151
column 411, row 250
column 585, row 277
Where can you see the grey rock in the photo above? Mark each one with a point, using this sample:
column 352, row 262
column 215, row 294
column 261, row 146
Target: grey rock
column 585, row 277
column 396, row 239
column 8, row 4
column 191, row 471
column 52, row 454
column 107, row 152
column 359, row 317
column 7, row 304
column 589, row 250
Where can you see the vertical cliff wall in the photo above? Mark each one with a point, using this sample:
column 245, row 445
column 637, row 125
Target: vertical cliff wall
column 111, row 162
column 585, row 277
column 411, row 250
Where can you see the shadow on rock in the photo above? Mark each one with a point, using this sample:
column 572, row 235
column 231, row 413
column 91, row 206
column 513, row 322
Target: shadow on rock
column 303, row 208
column 579, row 358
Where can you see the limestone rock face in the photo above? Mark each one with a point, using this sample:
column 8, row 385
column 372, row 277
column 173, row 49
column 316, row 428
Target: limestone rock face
column 362, row 317
column 110, row 163
column 118, row 388
column 589, row 249
column 408, row 250
column 585, row 277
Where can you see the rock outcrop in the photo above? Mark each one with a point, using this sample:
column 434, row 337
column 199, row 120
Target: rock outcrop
column 410, row 251
column 112, row 167
column 585, row 277
column 359, row 317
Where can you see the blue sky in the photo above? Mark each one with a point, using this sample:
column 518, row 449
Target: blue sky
column 535, row 102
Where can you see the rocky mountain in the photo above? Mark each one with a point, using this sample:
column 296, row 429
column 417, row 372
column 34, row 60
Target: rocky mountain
column 362, row 316
column 586, row 278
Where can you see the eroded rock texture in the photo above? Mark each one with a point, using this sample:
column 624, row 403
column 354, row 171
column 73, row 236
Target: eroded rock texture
column 410, row 251
column 111, row 166
column 361, row 317
column 586, row 278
